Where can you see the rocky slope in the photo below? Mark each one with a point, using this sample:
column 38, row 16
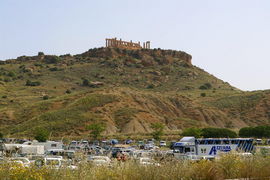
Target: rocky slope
column 128, row 90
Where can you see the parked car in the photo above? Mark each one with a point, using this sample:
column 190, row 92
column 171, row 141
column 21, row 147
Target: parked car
column 148, row 161
column 162, row 143
column 99, row 160
column 21, row 160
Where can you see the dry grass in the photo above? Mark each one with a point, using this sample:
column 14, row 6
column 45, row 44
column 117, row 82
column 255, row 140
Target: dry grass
column 227, row 167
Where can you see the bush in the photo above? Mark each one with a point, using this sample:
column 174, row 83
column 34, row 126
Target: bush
column 41, row 54
column 218, row 133
column 203, row 94
column 4, row 96
column 52, row 59
column 1, row 135
column 150, row 86
column 41, row 135
column 96, row 130
column 196, row 132
column 157, row 130
column 53, row 69
column 205, row 86
column 258, row 132
column 85, row 82
column 68, row 91
column 45, row 97
column 11, row 74
column 32, row 83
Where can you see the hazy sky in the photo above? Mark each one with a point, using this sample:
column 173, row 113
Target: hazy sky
column 228, row 38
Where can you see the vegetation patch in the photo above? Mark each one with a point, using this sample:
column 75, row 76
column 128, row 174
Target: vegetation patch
column 124, row 115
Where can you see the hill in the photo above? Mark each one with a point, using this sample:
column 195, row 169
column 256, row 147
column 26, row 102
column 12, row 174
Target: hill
column 126, row 89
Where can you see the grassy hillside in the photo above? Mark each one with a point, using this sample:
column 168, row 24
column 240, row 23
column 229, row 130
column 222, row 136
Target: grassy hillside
column 128, row 90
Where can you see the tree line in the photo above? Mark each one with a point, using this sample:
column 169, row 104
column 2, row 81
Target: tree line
column 255, row 132
column 96, row 129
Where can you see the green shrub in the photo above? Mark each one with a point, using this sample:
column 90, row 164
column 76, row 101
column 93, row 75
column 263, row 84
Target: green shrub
column 32, row 83
column 218, row 133
column 203, row 94
column 11, row 74
column 206, row 86
column 52, row 59
column 68, row 91
column 258, row 132
column 196, row 132
column 41, row 135
column 45, row 97
column 41, row 54
column 96, row 130
column 158, row 129
column 1, row 135
column 54, row 69
column 85, row 82
column 4, row 96
column 150, row 86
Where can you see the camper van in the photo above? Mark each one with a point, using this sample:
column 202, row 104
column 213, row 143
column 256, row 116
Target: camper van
column 202, row 147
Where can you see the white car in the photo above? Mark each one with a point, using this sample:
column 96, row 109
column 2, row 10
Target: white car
column 148, row 161
column 162, row 143
column 99, row 160
column 20, row 160
column 52, row 162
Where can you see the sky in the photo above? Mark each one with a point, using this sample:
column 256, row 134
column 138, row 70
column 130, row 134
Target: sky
column 228, row 38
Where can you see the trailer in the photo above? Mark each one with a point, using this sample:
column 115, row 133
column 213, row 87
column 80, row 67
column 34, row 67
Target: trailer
column 24, row 149
column 210, row 147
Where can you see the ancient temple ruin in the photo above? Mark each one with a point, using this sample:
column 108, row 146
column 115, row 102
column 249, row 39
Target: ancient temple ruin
column 126, row 45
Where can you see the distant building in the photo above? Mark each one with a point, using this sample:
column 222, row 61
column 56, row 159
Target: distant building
column 126, row 45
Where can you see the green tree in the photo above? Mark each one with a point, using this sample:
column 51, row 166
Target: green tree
column 258, row 132
column 158, row 129
column 196, row 132
column 46, row 97
column 246, row 132
column 96, row 130
column 218, row 133
column 52, row 59
column 41, row 134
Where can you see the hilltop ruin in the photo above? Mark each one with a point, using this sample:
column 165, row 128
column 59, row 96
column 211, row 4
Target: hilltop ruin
column 126, row 45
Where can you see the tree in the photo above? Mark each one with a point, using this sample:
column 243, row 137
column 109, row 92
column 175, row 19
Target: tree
column 41, row 54
column 157, row 130
column 96, row 130
column 46, row 97
column 41, row 134
column 258, row 132
column 196, row 132
column 218, row 133
column 1, row 135
column 246, row 132
column 52, row 59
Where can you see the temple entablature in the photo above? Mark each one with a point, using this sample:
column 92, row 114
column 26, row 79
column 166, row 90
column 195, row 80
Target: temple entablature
column 125, row 44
